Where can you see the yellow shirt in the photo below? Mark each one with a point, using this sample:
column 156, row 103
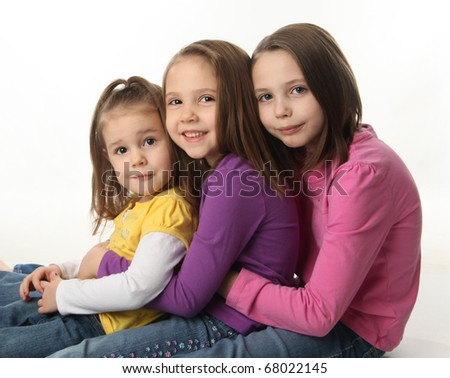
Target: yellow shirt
column 167, row 212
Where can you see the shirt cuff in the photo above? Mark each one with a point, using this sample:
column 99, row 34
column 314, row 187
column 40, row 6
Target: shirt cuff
column 241, row 294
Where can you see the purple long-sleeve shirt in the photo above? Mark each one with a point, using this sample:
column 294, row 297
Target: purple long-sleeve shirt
column 243, row 223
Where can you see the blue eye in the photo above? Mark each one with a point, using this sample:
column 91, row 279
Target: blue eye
column 299, row 90
column 265, row 97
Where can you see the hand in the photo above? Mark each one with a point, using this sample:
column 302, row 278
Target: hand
column 47, row 304
column 34, row 280
column 227, row 283
column 91, row 261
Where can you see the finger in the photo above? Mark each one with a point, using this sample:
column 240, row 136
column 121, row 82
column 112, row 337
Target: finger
column 24, row 289
column 22, row 292
column 54, row 276
column 25, row 284
column 37, row 283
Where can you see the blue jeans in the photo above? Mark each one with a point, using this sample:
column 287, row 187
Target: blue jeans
column 174, row 336
column 26, row 333
column 25, row 268
column 341, row 342
column 9, row 287
column 269, row 343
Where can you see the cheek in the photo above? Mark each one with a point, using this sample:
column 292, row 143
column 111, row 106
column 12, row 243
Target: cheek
column 171, row 129
column 167, row 162
column 120, row 166
column 264, row 116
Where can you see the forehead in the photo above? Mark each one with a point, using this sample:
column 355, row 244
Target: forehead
column 275, row 65
column 192, row 68
column 131, row 120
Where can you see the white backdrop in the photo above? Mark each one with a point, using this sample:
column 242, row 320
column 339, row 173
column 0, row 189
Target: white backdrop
column 57, row 56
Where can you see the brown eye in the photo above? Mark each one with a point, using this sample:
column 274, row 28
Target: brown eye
column 150, row 141
column 121, row 150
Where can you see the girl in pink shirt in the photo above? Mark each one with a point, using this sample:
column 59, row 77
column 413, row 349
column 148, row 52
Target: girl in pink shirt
column 359, row 208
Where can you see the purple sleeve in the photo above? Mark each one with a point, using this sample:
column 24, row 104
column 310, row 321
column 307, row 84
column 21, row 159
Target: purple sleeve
column 112, row 263
column 228, row 221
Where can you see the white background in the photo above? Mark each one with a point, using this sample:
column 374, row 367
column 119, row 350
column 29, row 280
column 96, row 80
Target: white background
column 56, row 57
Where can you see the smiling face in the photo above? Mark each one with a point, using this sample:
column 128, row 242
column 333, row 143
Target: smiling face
column 191, row 101
column 138, row 149
column 287, row 107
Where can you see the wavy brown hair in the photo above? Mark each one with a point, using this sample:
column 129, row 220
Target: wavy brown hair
column 109, row 198
column 331, row 80
column 238, row 128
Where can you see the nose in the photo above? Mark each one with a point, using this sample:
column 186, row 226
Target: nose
column 188, row 114
column 138, row 158
column 282, row 108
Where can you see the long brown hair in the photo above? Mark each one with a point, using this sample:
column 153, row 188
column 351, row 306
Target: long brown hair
column 238, row 128
column 109, row 198
column 331, row 80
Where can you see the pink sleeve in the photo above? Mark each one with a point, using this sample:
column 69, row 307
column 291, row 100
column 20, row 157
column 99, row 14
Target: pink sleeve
column 356, row 225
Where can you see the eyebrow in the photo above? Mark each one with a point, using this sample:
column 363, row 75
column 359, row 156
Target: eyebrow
column 301, row 81
column 199, row 90
column 152, row 130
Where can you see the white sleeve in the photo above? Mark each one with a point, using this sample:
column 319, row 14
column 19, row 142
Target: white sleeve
column 148, row 274
column 69, row 269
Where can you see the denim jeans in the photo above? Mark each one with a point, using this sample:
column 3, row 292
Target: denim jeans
column 9, row 287
column 268, row 343
column 271, row 342
column 25, row 268
column 171, row 337
column 26, row 333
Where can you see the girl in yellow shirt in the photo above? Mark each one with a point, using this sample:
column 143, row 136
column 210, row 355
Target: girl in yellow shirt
column 135, row 185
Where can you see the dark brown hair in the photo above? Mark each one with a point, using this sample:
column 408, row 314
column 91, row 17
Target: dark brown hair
column 109, row 198
column 238, row 128
column 331, row 80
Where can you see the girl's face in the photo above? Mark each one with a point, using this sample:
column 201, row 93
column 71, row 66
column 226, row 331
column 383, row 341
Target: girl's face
column 138, row 149
column 191, row 93
column 287, row 108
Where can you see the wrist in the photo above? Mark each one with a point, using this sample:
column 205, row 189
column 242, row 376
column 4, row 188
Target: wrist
column 56, row 268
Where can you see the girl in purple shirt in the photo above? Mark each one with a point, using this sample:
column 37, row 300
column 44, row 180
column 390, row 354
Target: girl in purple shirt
column 360, row 214
column 244, row 217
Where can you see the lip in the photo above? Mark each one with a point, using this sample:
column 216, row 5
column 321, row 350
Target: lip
column 142, row 176
column 289, row 130
column 193, row 135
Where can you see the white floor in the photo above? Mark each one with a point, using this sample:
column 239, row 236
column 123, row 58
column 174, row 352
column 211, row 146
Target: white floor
column 428, row 331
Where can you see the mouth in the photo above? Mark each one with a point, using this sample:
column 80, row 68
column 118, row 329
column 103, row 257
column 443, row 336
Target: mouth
column 193, row 135
column 288, row 130
column 141, row 176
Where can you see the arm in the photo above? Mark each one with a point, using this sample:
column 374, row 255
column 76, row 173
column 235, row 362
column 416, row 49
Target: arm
column 356, row 227
column 66, row 270
column 228, row 220
column 155, row 258
column 112, row 263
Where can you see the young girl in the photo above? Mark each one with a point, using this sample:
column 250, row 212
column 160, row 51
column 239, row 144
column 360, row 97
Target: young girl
column 211, row 115
column 132, row 161
column 359, row 207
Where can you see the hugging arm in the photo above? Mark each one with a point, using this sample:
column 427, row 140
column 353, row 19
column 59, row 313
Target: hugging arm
column 156, row 256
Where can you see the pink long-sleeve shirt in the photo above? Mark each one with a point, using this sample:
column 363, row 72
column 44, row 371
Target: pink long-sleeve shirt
column 360, row 261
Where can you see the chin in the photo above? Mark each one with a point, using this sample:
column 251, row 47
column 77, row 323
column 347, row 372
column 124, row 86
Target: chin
column 292, row 143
